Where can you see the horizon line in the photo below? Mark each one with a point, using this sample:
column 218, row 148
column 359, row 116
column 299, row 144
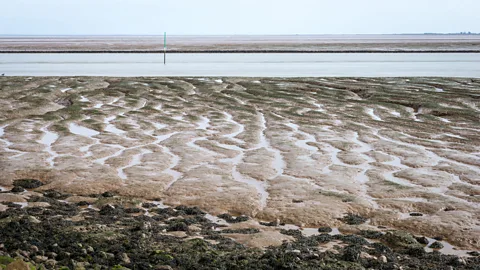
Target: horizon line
column 206, row 35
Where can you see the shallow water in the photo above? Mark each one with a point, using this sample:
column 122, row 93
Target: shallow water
column 83, row 131
column 253, row 65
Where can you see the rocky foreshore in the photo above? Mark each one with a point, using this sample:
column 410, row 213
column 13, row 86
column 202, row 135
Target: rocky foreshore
column 53, row 230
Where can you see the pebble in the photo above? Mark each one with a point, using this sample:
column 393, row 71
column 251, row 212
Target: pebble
column 460, row 261
column 51, row 263
column 383, row 259
column 125, row 259
column 108, row 194
column 34, row 249
column 33, row 219
column 40, row 259
column 436, row 245
column 17, row 189
column 422, row 240
column 51, row 254
column 325, row 229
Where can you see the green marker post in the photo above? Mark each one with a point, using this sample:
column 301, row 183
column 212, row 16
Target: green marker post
column 165, row 48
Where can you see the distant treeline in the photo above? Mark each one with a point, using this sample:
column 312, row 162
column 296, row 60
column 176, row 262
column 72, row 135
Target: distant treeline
column 460, row 33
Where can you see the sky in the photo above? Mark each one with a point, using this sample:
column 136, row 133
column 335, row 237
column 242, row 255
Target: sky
column 245, row 17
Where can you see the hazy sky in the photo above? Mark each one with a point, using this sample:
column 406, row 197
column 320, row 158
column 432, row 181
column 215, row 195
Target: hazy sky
column 55, row 17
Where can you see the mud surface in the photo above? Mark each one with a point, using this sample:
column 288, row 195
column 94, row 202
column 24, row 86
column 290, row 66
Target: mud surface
column 340, row 43
column 399, row 152
column 54, row 230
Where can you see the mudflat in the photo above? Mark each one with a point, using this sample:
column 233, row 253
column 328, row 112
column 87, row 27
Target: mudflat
column 292, row 43
column 403, row 153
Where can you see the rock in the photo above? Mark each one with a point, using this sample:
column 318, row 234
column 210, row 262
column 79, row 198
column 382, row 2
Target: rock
column 18, row 265
column 83, row 203
column 416, row 251
column 177, row 226
column 55, row 194
column 297, row 201
column 163, row 267
column 438, row 238
column 33, row 219
column 40, row 259
column 422, row 240
column 102, row 254
column 148, row 205
column 17, row 189
column 474, row 253
column 24, row 253
column 191, row 211
column 416, row 214
column 134, row 210
column 382, row 259
column 230, row 219
column 34, row 249
column 80, row 265
column 90, row 249
column 371, row 234
column 436, row 245
column 351, row 253
column 125, row 259
column 460, row 261
column 449, row 208
column 270, row 224
column 110, row 210
column 400, row 239
column 194, row 228
column 50, row 263
column 28, row 183
column 66, row 102
column 108, row 194
column 352, row 219
column 51, row 254
column 325, row 230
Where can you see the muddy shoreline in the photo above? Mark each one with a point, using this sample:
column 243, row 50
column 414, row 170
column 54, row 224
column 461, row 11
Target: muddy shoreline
column 63, row 231
column 401, row 152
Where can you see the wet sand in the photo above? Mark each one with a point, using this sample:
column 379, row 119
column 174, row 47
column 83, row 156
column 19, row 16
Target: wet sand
column 302, row 151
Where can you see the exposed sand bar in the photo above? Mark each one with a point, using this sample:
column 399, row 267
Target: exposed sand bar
column 304, row 151
column 218, row 44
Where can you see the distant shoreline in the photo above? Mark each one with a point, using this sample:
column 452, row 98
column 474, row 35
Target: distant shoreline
column 228, row 51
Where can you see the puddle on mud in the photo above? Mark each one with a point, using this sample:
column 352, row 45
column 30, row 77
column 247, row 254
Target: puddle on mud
column 82, row 131
column 372, row 114
column 48, row 139
column 110, row 127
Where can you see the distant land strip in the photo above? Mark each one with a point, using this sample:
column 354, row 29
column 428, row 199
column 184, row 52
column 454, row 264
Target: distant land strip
column 239, row 51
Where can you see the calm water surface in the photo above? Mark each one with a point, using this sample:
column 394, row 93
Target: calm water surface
column 253, row 65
